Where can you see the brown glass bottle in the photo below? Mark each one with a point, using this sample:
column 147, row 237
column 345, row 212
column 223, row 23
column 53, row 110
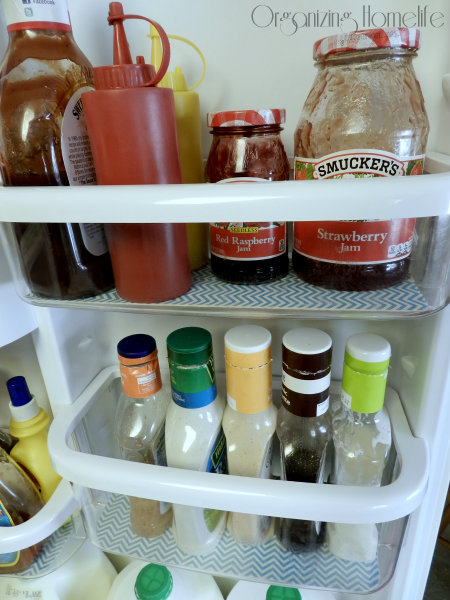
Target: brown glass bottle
column 364, row 117
column 19, row 501
column 247, row 147
column 43, row 143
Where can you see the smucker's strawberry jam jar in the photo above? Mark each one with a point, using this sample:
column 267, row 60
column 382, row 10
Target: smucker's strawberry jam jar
column 247, row 147
column 364, row 117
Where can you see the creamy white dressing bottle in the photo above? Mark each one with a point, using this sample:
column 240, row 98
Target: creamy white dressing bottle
column 362, row 438
column 194, row 436
column 249, row 420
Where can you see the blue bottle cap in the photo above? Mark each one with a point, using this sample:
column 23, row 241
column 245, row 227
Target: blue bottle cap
column 18, row 391
column 136, row 346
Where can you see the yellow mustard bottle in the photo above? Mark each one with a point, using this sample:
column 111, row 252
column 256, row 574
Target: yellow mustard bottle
column 29, row 424
column 189, row 131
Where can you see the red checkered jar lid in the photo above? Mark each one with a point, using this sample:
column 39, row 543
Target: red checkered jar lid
column 245, row 118
column 368, row 39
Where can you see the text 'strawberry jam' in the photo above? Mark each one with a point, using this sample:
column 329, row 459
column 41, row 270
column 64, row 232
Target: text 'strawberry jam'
column 247, row 147
column 364, row 117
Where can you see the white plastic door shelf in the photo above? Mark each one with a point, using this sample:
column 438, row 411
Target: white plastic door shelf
column 343, row 504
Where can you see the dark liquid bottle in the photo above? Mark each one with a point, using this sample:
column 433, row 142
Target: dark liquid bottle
column 247, row 147
column 43, row 142
column 19, row 501
column 304, row 427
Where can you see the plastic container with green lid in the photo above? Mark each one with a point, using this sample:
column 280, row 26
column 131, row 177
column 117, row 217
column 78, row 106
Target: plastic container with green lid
column 252, row 590
column 154, row 582
column 194, row 435
column 142, row 581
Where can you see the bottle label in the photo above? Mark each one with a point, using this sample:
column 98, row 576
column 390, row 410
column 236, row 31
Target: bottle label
column 217, row 463
column 36, row 14
column 141, row 381
column 305, row 397
column 249, row 390
column 248, row 241
column 10, row 558
column 79, row 164
column 356, row 242
column 193, row 386
column 94, row 238
column 75, row 145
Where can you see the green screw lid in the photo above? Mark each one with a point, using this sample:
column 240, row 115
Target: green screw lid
column 277, row 592
column 154, row 582
column 189, row 346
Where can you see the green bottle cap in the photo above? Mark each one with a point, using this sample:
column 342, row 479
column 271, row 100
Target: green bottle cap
column 189, row 346
column 365, row 371
column 277, row 592
column 154, row 582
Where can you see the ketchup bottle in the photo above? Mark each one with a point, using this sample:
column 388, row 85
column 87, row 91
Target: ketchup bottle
column 132, row 130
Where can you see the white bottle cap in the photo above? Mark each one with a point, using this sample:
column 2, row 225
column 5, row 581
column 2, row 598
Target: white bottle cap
column 368, row 347
column 246, row 339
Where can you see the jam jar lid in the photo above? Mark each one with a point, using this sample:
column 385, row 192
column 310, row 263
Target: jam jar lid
column 368, row 39
column 243, row 118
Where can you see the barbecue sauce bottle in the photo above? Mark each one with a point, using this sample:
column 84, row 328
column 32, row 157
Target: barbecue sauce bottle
column 43, row 142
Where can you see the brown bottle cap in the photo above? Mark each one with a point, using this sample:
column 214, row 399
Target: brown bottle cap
column 306, row 371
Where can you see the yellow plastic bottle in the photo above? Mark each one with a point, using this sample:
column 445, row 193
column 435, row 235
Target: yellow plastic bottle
column 187, row 111
column 29, row 424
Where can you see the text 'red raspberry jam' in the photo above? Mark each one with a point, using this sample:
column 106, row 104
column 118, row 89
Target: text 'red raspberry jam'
column 247, row 146
column 364, row 117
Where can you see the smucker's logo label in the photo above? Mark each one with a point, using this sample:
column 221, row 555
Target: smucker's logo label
column 356, row 163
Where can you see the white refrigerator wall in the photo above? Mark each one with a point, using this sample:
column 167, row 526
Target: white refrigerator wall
column 259, row 55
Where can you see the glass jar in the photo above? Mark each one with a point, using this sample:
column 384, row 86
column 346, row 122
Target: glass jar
column 364, row 117
column 247, row 147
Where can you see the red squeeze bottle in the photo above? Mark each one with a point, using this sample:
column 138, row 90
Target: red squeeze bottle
column 132, row 129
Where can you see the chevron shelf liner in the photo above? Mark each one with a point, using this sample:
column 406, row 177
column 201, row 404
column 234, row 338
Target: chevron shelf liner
column 269, row 562
column 55, row 550
column 285, row 295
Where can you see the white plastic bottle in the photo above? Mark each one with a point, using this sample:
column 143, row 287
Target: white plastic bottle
column 251, row 590
column 142, row 581
column 139, row 425
column 249, row 420
column 194, row 436
column 362, row 438
column 87, row 575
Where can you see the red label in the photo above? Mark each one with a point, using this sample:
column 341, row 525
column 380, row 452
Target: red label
column 360, row 242
column 247, row 241
column 354, row 241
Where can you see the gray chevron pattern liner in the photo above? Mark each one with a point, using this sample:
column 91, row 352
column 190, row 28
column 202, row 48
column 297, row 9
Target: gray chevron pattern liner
column 269, row 562
column 55, row 550
column 289, row 293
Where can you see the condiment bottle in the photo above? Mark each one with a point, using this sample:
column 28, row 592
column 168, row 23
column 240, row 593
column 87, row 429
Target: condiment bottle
column 249, row 420
column 304, row 426
column 19, row 501
column 43, row 142
column 29, row 424
column 247, row 147
column 139, row 425
column 194, row 435
column 189, row 133
column 132, row 129
column 362, row 437
column 364, row 117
